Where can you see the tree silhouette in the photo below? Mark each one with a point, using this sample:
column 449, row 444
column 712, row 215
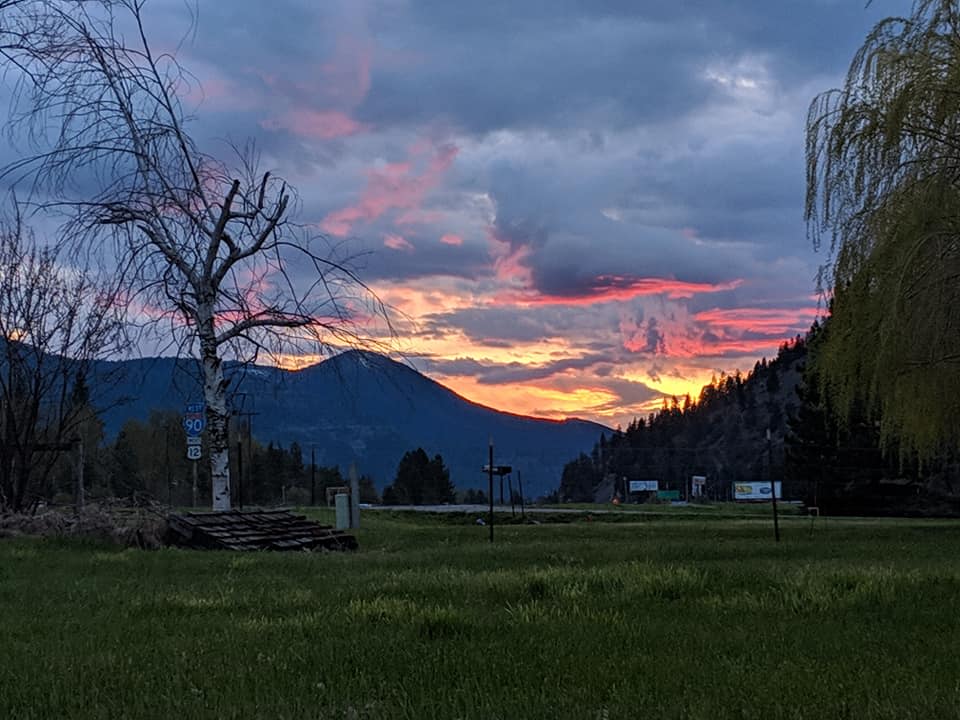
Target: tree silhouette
column 420, row 481
column 883, row 196
column 202, row 247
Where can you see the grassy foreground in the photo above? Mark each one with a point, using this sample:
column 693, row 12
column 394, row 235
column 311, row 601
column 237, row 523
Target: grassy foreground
column 655, row 619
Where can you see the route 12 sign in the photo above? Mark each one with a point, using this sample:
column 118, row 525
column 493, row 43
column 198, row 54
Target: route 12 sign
column 193, row 452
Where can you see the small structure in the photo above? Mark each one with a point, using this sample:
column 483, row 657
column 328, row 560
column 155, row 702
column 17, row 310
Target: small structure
column 335, row 490
column 254, row 530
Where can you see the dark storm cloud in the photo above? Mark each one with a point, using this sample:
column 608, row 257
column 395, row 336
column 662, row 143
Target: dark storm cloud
column 503, row 324
column 585, row 73
column 488, row 373
column 492, row 65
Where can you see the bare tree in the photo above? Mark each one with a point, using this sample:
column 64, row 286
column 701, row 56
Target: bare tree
column 55, row 320
column 205, row 248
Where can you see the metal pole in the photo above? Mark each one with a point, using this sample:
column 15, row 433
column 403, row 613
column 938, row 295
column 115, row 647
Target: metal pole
column 240, row 473
column 166, row 460
column 79, row 498
column 354, row 497
column 513, row 510
column 773, row 488
column 313, row 477
column 490, row 477
column 520, row 483
column 194, row 483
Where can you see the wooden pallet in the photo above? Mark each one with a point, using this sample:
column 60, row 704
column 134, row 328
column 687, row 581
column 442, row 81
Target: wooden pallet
column 254, row 530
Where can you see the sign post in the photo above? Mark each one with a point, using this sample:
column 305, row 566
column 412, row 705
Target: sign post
column 194, row 422
column 773, row 488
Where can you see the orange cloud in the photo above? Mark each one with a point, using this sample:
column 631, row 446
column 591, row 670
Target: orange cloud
column 450, row 239
column 543, row 400
column 393, row 186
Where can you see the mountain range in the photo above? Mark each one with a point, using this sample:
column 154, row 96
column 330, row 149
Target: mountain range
column 357, row 407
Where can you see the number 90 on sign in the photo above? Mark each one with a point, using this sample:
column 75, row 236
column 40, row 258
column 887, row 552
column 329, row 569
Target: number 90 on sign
column 194, row 425
column 193, row 452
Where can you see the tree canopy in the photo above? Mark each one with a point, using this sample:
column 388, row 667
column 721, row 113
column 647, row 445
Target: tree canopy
column 420, row 481
column 883, row 197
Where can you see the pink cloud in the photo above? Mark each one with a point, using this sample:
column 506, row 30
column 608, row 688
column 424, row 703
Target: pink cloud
column 346, row 76
column 450, row 239
column 315, row 124
column 720, row 332
column 608, row 288
column 759, row 320
column 397, row 242
column 419, row 217
column 319, row 100
column 395, row 186
column 510, row 267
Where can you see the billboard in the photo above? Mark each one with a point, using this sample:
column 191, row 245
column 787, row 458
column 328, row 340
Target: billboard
column 697, row 484
column 755, row 490
column 644, row 486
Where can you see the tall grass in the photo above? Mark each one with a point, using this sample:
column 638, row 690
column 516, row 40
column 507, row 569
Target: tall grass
column 661, row 619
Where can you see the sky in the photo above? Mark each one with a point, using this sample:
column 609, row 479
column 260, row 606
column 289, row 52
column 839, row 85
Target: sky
column 576, row 206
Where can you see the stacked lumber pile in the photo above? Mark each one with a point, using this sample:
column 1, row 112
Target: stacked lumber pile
column 254, row 530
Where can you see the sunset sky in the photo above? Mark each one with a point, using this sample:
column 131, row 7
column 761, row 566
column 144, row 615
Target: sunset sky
column 581, row 205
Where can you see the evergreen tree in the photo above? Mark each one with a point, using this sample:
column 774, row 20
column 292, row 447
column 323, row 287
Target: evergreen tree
column 420, row 481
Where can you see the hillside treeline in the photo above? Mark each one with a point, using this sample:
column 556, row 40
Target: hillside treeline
column 826, row 458
column 148, row 459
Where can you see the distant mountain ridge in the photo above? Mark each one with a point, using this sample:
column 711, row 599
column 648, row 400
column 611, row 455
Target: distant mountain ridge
column 359, row 407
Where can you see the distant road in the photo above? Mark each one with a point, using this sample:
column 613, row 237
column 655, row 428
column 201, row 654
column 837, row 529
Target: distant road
column 717, row 511
column 506, row 509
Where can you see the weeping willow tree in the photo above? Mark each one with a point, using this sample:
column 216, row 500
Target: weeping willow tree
column 883, row 198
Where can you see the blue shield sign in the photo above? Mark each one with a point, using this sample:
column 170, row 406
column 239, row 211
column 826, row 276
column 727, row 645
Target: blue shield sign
column 194, row 419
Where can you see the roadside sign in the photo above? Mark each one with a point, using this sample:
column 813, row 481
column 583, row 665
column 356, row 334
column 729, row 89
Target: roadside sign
column 194, row 419
column 755, row 490
column 194, row 452
column 644, row 486
column 194, row 440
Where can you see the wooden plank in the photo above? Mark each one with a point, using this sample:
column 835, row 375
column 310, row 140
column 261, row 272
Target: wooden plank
column 260, row 529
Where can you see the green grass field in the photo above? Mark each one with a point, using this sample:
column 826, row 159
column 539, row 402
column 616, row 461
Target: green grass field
column 661, row 618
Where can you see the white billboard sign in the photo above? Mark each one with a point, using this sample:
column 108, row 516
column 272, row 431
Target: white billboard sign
column 697, row 484
column 644, row 486
column 755, row 490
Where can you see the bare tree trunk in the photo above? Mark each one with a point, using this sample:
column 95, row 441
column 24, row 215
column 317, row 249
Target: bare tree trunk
column 186, row 232
column 215, row 394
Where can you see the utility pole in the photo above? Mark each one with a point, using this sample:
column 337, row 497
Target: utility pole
column 240, row 473
column 166, row 460
column 513, row 509
column 773, row 488
column 248, row 414
column 354, row 497
column 520, row 483
column 490, row 476
column 79, row 490
column 313, row 477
